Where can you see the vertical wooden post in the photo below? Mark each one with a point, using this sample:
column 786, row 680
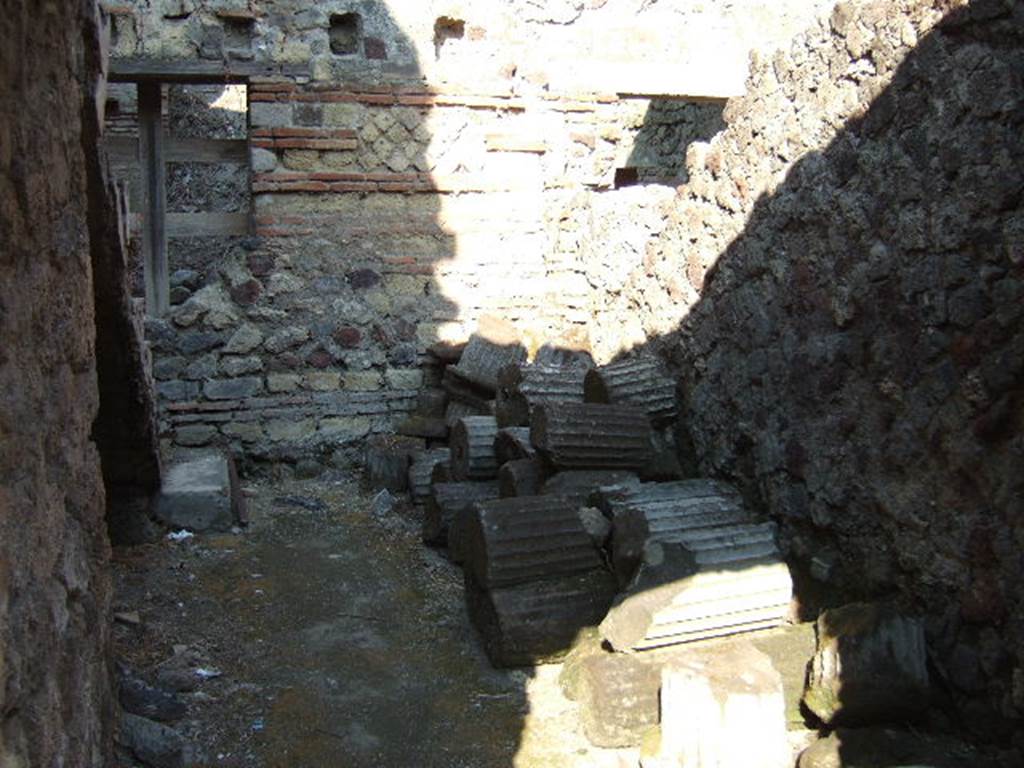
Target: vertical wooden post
column 151, row 158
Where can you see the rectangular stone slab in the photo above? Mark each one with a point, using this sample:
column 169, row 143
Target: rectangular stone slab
column 197, row 495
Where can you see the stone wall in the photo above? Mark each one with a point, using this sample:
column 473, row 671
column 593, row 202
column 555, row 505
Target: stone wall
column 55, row 698
column 385, row 221
column 628, row 46
column 839, row 286
column 442, row 162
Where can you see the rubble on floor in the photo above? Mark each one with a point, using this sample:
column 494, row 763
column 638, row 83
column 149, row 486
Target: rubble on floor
column 670, row 596
column 667, row 600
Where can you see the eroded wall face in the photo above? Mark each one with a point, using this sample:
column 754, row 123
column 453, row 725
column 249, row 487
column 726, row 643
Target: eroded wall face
column 54, row 590
column 853, row 350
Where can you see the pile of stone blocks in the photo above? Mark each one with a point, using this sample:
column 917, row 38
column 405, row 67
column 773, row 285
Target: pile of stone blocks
column 533, row 480
column 553, row 483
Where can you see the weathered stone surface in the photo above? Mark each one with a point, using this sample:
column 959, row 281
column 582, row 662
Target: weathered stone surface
column 733, row 582
column 445, row 503
column 199, row 495
column 322, row 381
column 665, row 512
column 233, row 389
column 421, row 472
column 399, row 378
column 597, row 526
column 833, row 271
column 246, row 431
column 431, row 402
column 869, row 667
column 513, row 443
column 523, row 477
column 523, row 387
column 618, row 693
column 283, row 382
column 722, row 707
column 155, row 744
column 458, row 410
column 495, row 345
column 139, row 698
column 446, row 352
column 202, row 368
column 665, row 465
column 472, row 448
column 513, row 540
column 388, row 463
column 478, row 400
column 286, row 338
column 580, row 484
column 177, row 390
column 168, row 368
column 290, row 429
column 591, row 436
column 194, row 434
column 244, row 340
column 536, row 622
column 618, row 696
column 238, row 366
column 361, row 381
column 641, row 382
column 196, row 342
column 837, row 388
column 423, row 426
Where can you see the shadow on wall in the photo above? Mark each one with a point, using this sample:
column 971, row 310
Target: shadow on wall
column 854, row 362
column 856, row 359
column 670, row 125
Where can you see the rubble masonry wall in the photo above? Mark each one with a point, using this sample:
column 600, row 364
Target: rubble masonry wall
column 839, row 287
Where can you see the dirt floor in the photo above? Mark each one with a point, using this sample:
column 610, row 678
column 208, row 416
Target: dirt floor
column 326, row 634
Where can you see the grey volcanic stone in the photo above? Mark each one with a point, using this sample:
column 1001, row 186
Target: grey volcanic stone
column 155, row 744
column 197, row 495
column 194, row 434
column 199, row 341
column 140, row 698
column 232, row 389
column 177, row 389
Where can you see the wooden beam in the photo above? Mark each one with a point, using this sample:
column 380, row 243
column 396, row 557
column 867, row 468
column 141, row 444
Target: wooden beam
column 138, row 69
column 208, row 224
column 124, row 150
column 154, row 204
